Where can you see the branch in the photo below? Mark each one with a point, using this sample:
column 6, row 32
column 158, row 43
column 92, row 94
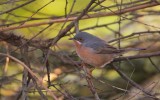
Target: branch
column 68, row 27
column 90, row 83
column 17, row 7
column 100, row 14
column 137, row 56
column 19, row 41
column 132, row 82
column 31, row 73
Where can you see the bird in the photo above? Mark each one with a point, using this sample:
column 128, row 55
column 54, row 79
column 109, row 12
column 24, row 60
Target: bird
column 94, row 51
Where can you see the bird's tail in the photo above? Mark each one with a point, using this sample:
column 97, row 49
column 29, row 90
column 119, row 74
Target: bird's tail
column 133, row 49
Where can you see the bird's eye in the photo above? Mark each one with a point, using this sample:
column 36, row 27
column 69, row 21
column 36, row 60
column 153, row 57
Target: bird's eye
column 80, row 39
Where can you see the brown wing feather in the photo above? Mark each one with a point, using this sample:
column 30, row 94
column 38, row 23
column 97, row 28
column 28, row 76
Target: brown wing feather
column 103, row 48
column 108, row 49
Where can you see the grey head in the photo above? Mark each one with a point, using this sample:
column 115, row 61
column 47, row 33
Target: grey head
column 98, row 45
column 84, row 37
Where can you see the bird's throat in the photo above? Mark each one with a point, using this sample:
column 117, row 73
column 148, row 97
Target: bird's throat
column 77, row 43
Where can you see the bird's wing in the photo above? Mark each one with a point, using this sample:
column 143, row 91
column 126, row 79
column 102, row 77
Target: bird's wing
column 104, row 48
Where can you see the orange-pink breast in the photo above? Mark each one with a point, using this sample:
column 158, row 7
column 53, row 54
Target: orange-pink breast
column 88, row 56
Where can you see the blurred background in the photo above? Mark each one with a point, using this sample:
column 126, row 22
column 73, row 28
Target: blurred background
column 36, row 33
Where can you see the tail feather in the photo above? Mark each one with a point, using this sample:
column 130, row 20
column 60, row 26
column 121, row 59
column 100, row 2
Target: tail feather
column 134, row 49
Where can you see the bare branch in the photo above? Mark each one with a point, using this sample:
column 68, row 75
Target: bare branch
column 17, row 7
column 132, row 82
column 31, row 73
column 100, row 14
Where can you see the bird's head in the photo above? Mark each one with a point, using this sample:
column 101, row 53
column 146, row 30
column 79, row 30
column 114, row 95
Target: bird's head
column 84, row 37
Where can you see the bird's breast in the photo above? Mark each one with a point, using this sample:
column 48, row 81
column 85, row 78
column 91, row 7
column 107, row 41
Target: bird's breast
column 89, row 56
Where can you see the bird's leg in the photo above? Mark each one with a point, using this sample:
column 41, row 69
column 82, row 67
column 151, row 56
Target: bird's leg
column 84, row 68
column 87, row 70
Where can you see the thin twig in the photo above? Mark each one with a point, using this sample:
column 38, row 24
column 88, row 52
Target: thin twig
column 26, row 77
column 154, row 64
column 132, row 82
column 17, row 7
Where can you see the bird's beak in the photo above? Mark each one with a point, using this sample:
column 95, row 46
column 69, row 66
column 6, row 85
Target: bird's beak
column 71, row 39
